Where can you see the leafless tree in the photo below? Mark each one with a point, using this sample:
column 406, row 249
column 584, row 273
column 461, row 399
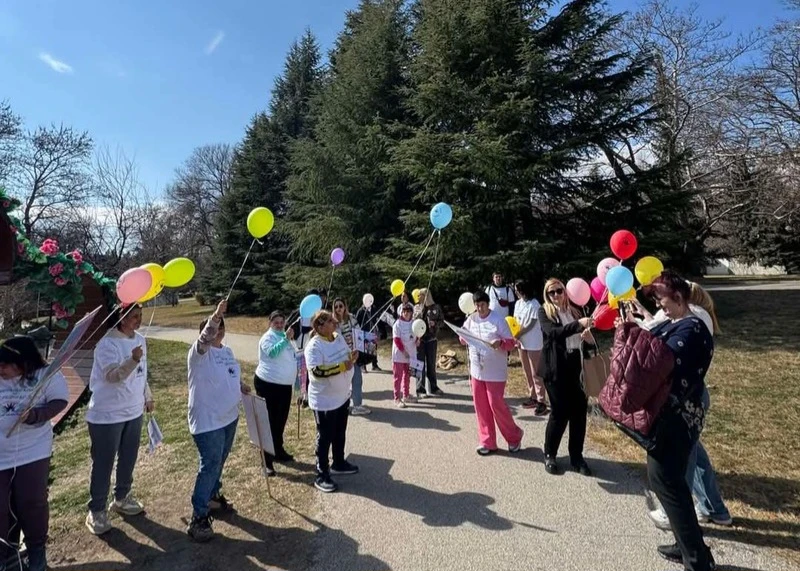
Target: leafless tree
column 10, row 133
column 51, row 174
column 195, row 194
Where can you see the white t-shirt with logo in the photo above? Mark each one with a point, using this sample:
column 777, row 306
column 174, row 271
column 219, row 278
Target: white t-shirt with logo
column 214, row 388
column 498, row 297
column 28, row 443
column 113, row 402
column 402, row 330
column 487, row 364
column 327, row 393
column 526, row 312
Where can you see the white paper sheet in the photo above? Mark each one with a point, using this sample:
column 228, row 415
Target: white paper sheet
column 255, row 413
column 469, row 337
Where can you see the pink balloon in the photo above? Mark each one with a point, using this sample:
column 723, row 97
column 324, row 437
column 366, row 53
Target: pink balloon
column 603, row 268
column 599, row 291
column 133, row 285
column 579, row 291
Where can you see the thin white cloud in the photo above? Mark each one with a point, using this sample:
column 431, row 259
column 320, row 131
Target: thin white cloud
column 215, row 42
column 57, row 66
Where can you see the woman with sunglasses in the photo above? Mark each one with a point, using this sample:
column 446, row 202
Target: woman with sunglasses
column 563, row 332
column 330, row 365
column 347, row 327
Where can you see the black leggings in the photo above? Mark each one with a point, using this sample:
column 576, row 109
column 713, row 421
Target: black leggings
column 279, row 403
column 568, row 405
column 331, row 433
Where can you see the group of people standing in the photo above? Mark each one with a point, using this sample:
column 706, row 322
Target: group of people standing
column 551, row 340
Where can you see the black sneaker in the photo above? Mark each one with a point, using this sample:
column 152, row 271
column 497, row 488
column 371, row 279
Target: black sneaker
column 200, row 529
column 376, row 368
column 220, row 503
column 325, row 484
column 540, row 409
column 670, row 552
column 345, row 468
column 284, row 456
column 437, row 392
column 551, row 466
column 582, row 467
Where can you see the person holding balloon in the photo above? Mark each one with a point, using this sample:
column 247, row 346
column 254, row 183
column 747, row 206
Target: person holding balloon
column 120, row 396
column 347, row 324
column 488, row 370
column 330, row 369
column 432, row 317
column 563, row 331
column 403, row 344
column 367, row 319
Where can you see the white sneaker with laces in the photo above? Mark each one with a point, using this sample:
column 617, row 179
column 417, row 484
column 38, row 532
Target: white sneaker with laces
column 660, row 519
column 399, row 403
column 360, row 411
column 127, row 506
column 97, row 522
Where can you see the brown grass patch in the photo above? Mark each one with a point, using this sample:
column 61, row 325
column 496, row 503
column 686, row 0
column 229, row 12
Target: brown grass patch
column 188, row 314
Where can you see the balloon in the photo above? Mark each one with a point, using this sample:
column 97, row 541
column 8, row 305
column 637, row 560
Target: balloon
column 513, row 325
column 613, row 300
column 133, row 284
column 415, row 295
column 579, row 291
column 310, row 305
column 603, row 267
column 441, row 215
column 178, row 272
column 337, row 256
column 466, row 303
column 157, row 273
column 260, row 222
column 623, row 244
column 397, row 288
column 647, row 269
column 619, row 280
column 418, row 328
column 368, row 300
column 598, row 290
column 604, row 317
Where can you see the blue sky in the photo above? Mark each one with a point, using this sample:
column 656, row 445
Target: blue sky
column 159, row 78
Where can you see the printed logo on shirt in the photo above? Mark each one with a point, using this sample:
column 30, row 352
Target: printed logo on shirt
column 231, row 371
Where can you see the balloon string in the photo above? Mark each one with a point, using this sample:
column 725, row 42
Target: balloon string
column 420, row 257
column 330, row 285
column 435, row 257
column 380, row 313
column 152, row 315
column 253, row 243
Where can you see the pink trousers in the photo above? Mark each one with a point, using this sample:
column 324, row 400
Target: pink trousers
column 402, row 379
column 491, row 408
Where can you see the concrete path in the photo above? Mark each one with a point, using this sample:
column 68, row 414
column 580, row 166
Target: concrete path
column 777, row 285
column 424, row 500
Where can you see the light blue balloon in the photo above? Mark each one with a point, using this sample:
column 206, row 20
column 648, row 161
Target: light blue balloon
column 619, row 280
column 310, row 305
column 441, row 215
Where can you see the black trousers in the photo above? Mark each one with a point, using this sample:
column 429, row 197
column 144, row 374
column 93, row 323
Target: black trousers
column 279, row 404
column 568, row 405
column 666, row 470
column 331, row 432
column 426, row 352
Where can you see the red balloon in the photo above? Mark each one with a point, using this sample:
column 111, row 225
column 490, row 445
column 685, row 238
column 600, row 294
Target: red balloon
column 623, row 244
column 604, row 317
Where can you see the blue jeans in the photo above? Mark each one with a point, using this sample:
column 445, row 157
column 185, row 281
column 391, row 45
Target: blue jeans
column 358, row 384
column 702, row 479
column 213, row 448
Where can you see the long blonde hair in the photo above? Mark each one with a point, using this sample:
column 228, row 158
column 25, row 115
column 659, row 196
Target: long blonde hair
column 702, row 298
column 424, row 293
column 552, row 309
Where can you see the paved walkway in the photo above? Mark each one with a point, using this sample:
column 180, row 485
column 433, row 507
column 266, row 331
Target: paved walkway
column 424, row 500
column 244, row 346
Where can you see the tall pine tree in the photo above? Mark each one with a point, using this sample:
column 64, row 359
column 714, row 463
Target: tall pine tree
column 261, row 171
column 341, row 193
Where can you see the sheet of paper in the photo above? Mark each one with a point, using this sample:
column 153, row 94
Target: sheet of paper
column 416, row 368
column 255, row 413
column 365, row 341
column 469, row 337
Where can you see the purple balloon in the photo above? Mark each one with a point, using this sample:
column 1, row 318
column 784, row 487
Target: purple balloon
column 337, row 256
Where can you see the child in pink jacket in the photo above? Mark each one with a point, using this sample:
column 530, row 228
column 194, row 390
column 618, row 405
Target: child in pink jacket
column 402, row 348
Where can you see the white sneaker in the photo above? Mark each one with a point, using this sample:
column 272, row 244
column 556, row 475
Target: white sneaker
column 127, row 506
column 399, row 403
column 660, row 519
column 360, row 411
column 411, row 398
column 97, row 522
column 515, row 449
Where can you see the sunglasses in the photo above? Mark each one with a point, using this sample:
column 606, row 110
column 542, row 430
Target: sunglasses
column 557, row 291
column 338, row 307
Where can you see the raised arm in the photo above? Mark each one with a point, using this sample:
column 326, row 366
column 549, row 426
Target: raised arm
column 209, row 332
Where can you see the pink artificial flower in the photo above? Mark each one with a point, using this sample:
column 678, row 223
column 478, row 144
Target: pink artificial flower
column 76, row 256
column 78, row 272
column 20, row 248
column 56, row 269
column 59, row 311
column 6, row 204
column 49, row 247
column 60, row 282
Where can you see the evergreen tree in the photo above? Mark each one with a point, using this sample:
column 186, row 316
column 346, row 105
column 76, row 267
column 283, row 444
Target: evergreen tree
column 261, row 170
column 341, row 194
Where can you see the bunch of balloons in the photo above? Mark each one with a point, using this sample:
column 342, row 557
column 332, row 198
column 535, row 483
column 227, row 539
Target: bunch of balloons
column 144, row 283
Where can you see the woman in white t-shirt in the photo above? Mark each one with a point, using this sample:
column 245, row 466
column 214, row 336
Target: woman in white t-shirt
column 25, row 455
column 120, row 396
column 488, row 371
column 529, row 339
column 215, row 389
column 330, row 370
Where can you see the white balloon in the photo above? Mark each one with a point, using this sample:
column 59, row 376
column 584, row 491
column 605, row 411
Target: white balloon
column 368, row 300
column 466, row 303
column 418, row 328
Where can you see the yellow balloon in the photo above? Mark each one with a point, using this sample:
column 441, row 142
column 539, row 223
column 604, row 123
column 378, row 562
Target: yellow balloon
column 260, row 222
column 613, row 300
column 513, row 325
column 178, row 272
column 157, row 273
column 397, row 288
column 415, row 295
column 647, row 269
